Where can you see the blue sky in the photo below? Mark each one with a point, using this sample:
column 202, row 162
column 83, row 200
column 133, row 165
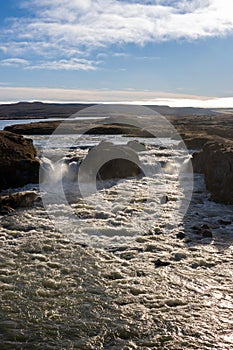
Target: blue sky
column 156, row 51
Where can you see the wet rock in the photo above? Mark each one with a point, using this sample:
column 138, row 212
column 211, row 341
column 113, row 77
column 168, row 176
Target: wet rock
column 174, row 302
column 128, row 255
column 83, row 245
column 18, row 163
column 164, row 199
column 17, row 200
column 151, row 248
column 136, row 146
column 160, row 263
column 162, row 148
column 224, row 222
column 107, row 161
column 5, row 210
column 207, row 234
column 198, row 162
column 114, row 275
column 155, row 231
column 163, row 163
column 178, row 256
column 141, row 240
column 180, row 235
column 117, row 249
column 216, row 162
column 205, row 227
column 140, row 273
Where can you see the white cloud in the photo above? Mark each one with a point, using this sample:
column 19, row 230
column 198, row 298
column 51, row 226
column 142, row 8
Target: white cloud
column 14, row 62
column 61, row 30
column 94, row 95
column 98, row 22
column 72, row 64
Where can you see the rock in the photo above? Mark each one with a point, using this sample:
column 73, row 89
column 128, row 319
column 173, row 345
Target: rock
column 20, row 199
column 17, row 200
column 195, row 140
column 207, row 234
column 216, row 162
column 136, row 146
column 205, row 227
column 77, row 127
column 198, row 162
column 18, row 163
column 180, row 235
column 218, row 171
column 107, row 161
column 160, row 263
column 224, row 222
column 178, row 256
column 155, row 231
column 164, row 199
column 5, row 210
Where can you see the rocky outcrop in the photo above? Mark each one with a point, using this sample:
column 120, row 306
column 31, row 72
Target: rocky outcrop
column 198, row 162
column 194, row 140
column 36, row 128
column 77, row 127
column 17, row 200
column 18, row 163
column 107, row 161
column 216, row 162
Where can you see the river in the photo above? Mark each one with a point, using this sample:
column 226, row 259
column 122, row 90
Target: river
column 166, row 286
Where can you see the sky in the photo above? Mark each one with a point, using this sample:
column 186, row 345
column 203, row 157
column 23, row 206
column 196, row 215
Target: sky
column 153, row 51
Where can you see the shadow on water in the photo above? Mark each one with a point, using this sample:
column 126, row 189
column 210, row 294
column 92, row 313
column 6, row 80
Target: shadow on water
column 207, row 222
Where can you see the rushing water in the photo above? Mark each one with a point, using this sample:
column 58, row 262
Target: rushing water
column 58, row 293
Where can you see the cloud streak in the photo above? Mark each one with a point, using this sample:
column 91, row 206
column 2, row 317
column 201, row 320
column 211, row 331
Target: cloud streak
column 92, row 95
column 72, row 64
column 14, row 62
column 15, row 94
column 63, row 33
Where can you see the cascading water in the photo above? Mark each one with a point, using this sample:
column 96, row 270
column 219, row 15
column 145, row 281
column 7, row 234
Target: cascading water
column 57, row 293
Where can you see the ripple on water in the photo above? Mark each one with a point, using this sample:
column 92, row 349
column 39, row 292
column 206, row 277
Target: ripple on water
column 55, row 294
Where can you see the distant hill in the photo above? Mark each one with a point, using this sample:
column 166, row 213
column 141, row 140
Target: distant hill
column 182, row 111
column 26, row 110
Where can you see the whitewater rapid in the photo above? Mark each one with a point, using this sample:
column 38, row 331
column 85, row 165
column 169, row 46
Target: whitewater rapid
column 168, row 287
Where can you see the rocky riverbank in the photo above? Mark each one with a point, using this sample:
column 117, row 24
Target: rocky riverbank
column 18, row 162
column 18, row 166
column 215, row 160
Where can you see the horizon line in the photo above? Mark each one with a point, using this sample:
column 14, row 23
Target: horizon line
column 171, row 103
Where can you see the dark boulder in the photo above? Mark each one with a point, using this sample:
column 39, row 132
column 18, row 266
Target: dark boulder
column 224, row 222
column 160, row 263
column 136, row 146
column 107, row 161
column 18, row 163
column 207, row 234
